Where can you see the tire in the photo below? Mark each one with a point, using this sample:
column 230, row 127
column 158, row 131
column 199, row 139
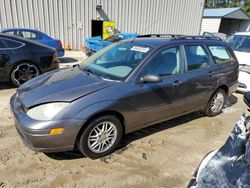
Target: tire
column 101, row 137
column 23, row 72
column 216, row 103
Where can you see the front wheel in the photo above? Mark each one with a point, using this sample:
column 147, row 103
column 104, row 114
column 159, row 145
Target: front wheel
column 101, row 137
column 216, row 103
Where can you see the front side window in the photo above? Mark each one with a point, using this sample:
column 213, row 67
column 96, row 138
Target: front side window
column 239, row 42
column 220, row 54
column 165, row 63
column 197, row 57
column 116, row 61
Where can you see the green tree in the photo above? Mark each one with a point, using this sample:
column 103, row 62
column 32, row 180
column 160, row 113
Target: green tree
column 244, row 4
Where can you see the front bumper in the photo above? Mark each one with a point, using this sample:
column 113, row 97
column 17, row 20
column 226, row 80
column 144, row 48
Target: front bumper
column 35, row 134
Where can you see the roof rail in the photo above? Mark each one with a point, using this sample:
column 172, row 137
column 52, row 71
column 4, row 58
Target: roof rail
column 159, row 35
column 176, row 37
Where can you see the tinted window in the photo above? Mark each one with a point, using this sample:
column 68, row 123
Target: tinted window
column 239, row 42
column 10, row 32
column 196, row 57
column 30, row 35
column 220, row 54
column 1, row 44
column 12, row 43
column 165, row 63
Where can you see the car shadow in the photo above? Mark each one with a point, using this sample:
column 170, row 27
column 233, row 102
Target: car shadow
column 231, row 100
column 142, row 133
column 69, row 155
column 7, row 85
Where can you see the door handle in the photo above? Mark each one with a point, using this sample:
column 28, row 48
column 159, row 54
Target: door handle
column 177, row 83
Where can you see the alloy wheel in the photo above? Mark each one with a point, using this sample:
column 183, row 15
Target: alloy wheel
column 217, row 102
column 23, row 72
column 102, row 137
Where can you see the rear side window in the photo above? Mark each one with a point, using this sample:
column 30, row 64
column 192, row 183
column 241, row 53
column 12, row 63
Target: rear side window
column 10, row 32
column 196, row 57
column 30, row 35
column 220, row 54
column 11, row 44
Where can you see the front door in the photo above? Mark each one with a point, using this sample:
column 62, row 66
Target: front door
column 156, row 102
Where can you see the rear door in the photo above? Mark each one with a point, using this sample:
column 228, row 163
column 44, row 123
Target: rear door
column 201, row 76
column 228, row 64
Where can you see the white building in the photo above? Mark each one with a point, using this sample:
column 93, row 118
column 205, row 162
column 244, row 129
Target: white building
column 225, row 20
column 70, row 20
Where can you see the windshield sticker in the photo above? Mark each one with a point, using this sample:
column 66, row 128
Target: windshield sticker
column 140, row 49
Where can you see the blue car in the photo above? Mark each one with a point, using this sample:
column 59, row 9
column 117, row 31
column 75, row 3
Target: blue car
column 94, row 44
column 37, row 36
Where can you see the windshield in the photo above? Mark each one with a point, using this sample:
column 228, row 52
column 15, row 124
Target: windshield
column 116, row 61
column 239, row 42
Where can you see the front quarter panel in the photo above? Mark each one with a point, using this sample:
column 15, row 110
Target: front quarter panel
column 125, row 109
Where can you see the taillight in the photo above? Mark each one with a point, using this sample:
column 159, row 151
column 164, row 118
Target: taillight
column 59, row 43
column 54, row 57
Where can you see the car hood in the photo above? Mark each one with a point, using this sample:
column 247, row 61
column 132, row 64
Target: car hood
column 243, row 57
column 63, row 85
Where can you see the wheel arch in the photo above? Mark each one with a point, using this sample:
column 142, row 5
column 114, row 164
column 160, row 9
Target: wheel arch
column 100, row 114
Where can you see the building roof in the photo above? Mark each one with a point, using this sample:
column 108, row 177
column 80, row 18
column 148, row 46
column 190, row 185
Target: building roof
column 230, row 13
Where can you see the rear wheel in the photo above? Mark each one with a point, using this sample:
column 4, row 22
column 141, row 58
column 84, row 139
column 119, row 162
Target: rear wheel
column 101, row 137
column 23, row 72
column 216, row 103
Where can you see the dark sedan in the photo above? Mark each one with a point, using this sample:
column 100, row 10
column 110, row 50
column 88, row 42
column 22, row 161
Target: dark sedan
column 22, row 60
column 122, row 88
column 36, row 36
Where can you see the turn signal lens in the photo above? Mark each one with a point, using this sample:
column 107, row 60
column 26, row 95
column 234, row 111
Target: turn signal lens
column 56, row 131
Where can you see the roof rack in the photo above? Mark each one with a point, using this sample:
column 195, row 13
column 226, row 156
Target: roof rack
column 176, row 37
column 160, row 35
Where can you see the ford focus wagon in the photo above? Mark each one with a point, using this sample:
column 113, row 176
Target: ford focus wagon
column 122, row 88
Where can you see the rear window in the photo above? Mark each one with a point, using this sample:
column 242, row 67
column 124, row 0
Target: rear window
column 220, row 54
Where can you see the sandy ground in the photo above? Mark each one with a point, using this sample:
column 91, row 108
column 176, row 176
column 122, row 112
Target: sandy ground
column 163, row 155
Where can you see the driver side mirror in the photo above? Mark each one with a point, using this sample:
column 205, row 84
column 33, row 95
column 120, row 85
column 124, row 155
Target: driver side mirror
column 150, row 78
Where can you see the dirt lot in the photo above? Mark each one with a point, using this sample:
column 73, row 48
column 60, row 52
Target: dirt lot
column 163, row 155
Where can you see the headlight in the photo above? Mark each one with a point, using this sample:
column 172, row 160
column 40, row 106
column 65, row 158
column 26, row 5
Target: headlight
column 46, row 111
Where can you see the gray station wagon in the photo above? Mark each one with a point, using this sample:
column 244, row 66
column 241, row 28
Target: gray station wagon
column 124, row 87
